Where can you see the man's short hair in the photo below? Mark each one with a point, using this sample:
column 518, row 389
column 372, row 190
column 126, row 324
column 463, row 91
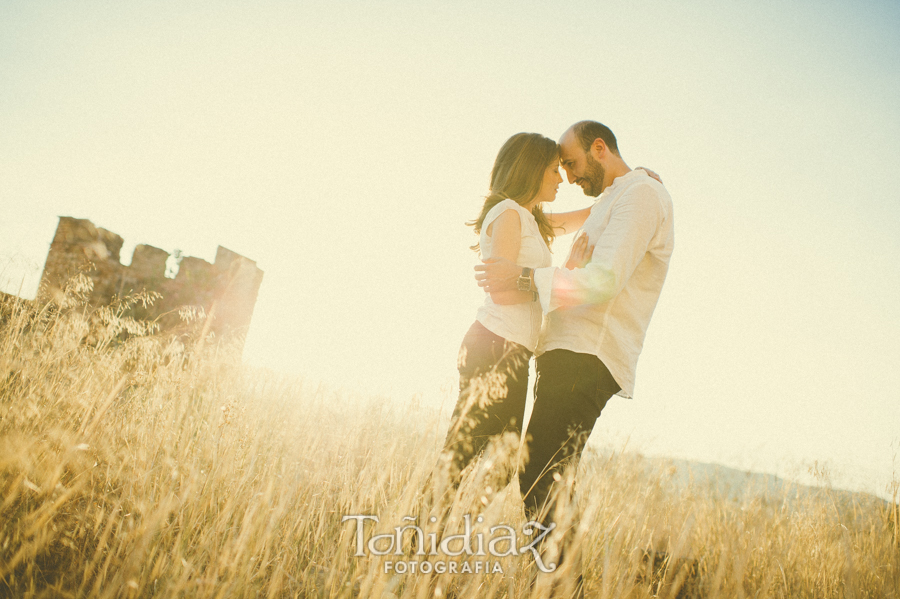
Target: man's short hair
column 587, row 131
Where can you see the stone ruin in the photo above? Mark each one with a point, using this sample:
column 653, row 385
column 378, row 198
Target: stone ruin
column 226, row 289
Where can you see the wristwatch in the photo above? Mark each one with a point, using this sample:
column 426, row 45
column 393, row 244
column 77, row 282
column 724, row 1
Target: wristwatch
column 523, row 283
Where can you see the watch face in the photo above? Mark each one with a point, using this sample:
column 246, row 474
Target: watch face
column 523, row 283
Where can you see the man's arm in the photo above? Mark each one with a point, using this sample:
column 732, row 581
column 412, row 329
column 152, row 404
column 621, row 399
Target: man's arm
column 506, row 237
column 500, row 274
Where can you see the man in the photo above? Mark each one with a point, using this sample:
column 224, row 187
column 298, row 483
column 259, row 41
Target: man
column 597, row 316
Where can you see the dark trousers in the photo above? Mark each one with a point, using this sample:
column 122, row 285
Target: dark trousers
column 570, row 392
column 493, row 385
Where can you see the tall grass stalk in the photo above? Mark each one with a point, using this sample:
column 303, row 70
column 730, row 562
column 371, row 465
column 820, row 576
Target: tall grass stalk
column 134, row 464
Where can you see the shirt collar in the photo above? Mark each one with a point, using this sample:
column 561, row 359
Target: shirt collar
column 619, row 181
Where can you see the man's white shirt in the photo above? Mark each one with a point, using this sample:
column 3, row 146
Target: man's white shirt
column 604, row 309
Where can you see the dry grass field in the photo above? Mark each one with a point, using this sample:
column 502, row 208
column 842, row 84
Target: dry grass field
column 135, row 465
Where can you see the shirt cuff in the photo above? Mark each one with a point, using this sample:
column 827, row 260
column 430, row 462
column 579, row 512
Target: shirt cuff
column 543, row 280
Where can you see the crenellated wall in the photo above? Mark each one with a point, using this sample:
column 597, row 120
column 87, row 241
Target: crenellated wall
column 226, row 289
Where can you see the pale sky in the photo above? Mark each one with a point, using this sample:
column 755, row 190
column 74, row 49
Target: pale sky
column 343, row 145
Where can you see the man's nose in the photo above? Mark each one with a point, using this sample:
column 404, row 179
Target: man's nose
column 569, row 176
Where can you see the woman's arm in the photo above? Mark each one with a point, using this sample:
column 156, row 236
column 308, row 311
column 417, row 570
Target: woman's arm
column 569, row 222
column 506, row 237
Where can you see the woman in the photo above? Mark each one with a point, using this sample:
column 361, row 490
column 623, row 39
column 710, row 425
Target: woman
column 493, row 358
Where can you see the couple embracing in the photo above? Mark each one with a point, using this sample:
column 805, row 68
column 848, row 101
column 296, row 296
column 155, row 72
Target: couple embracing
column 585, row 321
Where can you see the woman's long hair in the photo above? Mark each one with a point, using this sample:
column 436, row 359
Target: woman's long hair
column 517, row 175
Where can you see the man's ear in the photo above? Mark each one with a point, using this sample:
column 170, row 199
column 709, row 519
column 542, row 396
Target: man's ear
column 599, row 149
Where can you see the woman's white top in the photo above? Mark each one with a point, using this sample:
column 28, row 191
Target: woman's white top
column 520, row 323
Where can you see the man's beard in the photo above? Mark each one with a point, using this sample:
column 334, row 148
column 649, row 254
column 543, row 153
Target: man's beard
column 594, row 173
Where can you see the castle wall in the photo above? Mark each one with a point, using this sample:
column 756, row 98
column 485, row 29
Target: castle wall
column 226, row 289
